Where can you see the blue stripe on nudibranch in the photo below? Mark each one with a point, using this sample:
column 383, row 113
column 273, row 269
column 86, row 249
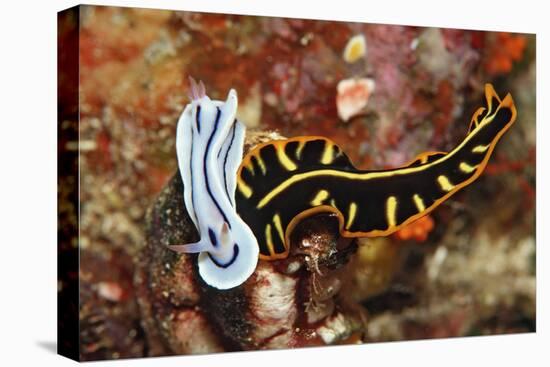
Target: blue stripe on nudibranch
column 198, row 118
column 227, row 155
column 212, row 236
column 230, row 262
column 205, row 171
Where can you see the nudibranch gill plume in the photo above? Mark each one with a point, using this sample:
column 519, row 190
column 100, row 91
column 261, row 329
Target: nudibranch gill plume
column 280, row 183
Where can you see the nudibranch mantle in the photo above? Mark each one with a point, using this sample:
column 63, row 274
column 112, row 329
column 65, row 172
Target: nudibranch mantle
column 209, row 147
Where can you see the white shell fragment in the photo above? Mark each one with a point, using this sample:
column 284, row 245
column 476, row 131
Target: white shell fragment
column 355, row 49
column 209, row 146
column 352, row 96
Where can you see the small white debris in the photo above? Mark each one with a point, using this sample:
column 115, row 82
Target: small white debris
column 304, row 41
column 336, row 328
column 293, row 267
column 437, row 260
column 352, row 96
column 110, row 291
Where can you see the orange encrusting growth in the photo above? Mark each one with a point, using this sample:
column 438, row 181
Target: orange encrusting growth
column 506, row 49
column 418, row 230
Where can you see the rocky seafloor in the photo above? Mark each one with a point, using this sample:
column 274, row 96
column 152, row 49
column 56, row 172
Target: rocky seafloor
column 468, row 269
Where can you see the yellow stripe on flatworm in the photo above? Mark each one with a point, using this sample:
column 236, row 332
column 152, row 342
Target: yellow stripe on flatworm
column 261, row 164
column 351, row 214
column 279, row 227
column 268, row 239
column 481, row 148
column 250, row 167
column 475, row 118
column 328, row 154
column 244, row 189
column 391, row 208
column 301, row 145
column 445, row 184
column 321, row 196
column 466, row 168
column 283, row 158
column 419, row 203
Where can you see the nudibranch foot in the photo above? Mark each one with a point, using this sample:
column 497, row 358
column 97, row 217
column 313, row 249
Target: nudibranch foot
column 231, row 271
column 190, row 248
column 209, row 146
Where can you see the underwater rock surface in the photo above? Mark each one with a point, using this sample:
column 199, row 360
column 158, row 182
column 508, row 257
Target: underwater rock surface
column 287, row 303
column 473, row 273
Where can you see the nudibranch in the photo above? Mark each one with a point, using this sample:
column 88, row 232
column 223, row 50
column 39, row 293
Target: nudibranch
column 209, row 147
column 282, row 182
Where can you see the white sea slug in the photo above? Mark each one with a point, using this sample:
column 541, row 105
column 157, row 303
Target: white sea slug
column 209, row 145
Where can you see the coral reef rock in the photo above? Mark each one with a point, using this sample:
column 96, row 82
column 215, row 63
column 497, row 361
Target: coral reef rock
column 293, row 302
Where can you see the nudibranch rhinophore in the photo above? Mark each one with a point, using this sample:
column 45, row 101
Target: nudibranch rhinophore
column 242, row 211
column 209, row 147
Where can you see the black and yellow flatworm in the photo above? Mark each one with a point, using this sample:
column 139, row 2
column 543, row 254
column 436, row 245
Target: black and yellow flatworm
column 282, row 182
